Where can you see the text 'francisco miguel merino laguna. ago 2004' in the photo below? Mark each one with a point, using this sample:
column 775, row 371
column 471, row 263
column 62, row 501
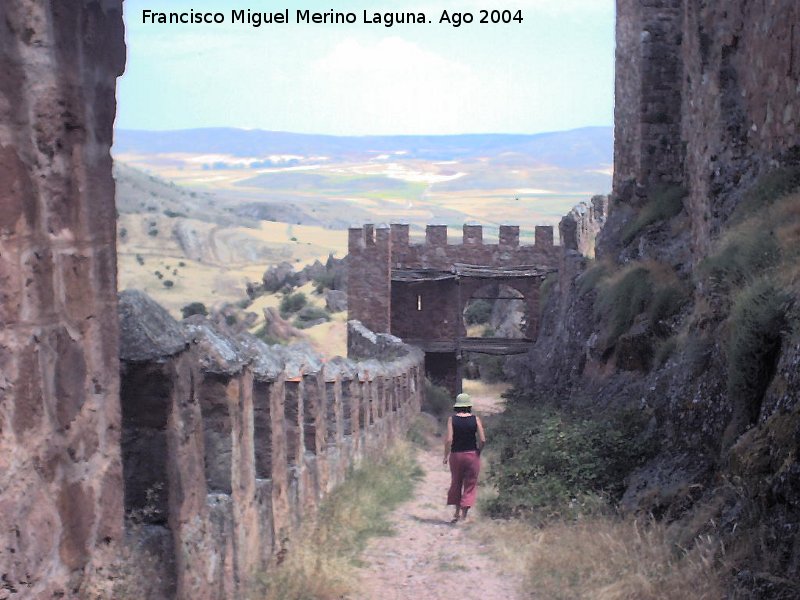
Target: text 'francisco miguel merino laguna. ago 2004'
column 330, row 17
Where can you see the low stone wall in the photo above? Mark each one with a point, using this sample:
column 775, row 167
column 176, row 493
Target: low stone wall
column 230, row 444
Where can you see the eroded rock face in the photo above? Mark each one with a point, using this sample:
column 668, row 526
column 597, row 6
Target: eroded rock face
column 60, row 475
column 707, row 101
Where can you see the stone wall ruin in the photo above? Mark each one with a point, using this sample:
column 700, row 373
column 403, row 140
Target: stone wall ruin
column 229, row 445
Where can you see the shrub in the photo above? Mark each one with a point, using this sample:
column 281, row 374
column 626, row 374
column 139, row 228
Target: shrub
column 490, row 368
column 667, row 302
column 622, row 299
column 590, row 278
column 194, row 308
column 758, row 321
column 478, row 312
column 770, row 187
column 261, row 333
column 291, row 303
column 168, row 283
column 152, row 232
column 309, row 315
column 698, row 354
column 438, row 401
column 324, row 281
column 743, row 257
column 140, row 259
column 546, row 459
column 663, row 203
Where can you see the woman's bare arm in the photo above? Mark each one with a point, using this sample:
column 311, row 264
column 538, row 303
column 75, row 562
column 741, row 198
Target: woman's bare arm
column 448, row 440
column 481, row 434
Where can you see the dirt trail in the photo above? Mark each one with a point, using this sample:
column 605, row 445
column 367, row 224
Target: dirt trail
column 428, row 558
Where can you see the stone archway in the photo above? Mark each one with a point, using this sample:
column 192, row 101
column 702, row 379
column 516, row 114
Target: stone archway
column 496, row 310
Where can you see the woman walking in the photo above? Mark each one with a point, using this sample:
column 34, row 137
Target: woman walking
column 462, row 447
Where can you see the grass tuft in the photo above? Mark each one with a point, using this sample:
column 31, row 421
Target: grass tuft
column 622, row 299
column 769, row 188
column 606, row 558
column 321, row 564
column 758, row 321
column 663, row 203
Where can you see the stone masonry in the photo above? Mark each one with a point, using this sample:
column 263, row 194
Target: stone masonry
column 706, row 98
column 427, row 311
column 229, row 445
column 60, row 469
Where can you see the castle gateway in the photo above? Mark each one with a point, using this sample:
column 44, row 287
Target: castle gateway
column 419, row 292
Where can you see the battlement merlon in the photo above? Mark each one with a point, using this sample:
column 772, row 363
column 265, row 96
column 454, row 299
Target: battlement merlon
column 509, row 236
column 396, row 237
column 437, row 236
column 368, row 236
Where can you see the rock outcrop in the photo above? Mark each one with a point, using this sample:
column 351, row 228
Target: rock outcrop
column 707, row 104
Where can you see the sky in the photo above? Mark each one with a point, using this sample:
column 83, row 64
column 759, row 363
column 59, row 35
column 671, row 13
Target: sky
column 553, row 71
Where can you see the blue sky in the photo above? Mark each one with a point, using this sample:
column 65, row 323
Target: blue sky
column 553, row 71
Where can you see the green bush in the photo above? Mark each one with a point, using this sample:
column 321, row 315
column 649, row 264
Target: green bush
column 194, row 308
column 478, row 312
column 546, row 459
column 261, row 333
column 292, row 303
column 490, row 367
column 746, row 256
column 324, row 281
column 590, row 278
column 769, row 188
column 308, row 315
column 662, row 204
column 623, row 299
column 438, row 401
column 757, row 323
column 667, row 302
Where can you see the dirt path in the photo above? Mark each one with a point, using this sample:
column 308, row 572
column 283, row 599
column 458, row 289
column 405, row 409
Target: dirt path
column 428, row 558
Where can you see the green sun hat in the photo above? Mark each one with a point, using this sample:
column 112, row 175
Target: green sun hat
column 463, row 401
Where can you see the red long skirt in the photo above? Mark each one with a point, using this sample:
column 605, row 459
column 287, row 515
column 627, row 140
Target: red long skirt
column 464, row 470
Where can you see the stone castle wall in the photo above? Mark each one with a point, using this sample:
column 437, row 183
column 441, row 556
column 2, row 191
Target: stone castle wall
column 707, row 98
column 229, row 445
column 60, row 469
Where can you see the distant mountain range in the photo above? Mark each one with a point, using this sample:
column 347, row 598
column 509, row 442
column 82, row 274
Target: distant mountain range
column 586, row 148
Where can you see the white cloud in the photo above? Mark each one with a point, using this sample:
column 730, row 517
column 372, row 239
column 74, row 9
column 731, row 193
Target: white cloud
column 396, row 85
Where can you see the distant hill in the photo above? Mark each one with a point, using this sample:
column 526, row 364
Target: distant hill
column 577, row 149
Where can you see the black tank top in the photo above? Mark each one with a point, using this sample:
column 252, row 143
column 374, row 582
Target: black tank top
column 464, row 430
